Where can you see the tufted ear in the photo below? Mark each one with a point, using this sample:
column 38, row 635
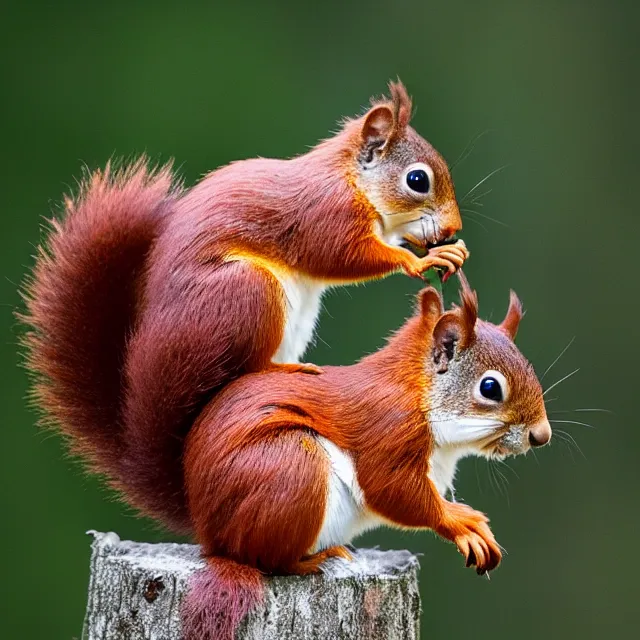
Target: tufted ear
column 455, row 331
column 377, row 131
column 384, row 122
column 511, row 321
column 430, row 304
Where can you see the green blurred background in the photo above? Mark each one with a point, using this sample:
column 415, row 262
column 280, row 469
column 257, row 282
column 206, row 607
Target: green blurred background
column 554, row 88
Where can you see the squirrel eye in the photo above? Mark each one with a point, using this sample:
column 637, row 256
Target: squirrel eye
column 418, row 180
column 491, row 389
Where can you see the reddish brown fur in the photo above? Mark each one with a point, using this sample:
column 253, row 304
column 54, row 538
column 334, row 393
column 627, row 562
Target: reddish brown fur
column 261, row 421
column 511, row 321
column 197, row 333
column 139, row 318
column 83, row 301
column 252, row 457
column 148, row 301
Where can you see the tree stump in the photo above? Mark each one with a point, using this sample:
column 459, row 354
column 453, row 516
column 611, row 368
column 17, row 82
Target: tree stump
column 135, row 591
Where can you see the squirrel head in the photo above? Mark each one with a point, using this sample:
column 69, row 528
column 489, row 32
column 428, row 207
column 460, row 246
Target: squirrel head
column 402, row 176
column 484, row 397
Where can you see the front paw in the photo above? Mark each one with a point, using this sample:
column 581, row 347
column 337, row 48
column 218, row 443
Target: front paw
column 449, row 257
column 469, row 530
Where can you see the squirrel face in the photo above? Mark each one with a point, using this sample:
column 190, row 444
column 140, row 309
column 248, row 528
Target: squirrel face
column 485, row 397
column 403, row 177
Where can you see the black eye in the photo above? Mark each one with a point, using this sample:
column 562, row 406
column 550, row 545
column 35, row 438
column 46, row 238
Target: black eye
column 490, row 388
column 418, row 180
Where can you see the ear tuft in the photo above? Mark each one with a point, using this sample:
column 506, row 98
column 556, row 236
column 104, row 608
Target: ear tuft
column 401, row 104
column 468, row 309
column 511, row 321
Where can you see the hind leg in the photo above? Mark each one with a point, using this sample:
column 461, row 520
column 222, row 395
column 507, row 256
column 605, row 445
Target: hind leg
column 263, row 502
column 311, row 564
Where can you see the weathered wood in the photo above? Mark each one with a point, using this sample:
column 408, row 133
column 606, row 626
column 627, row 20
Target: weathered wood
column 135, row 592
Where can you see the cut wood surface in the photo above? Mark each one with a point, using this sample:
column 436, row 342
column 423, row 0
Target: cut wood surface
column 135, row 591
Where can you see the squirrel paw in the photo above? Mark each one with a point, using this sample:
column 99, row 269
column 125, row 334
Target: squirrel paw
column 469, row 530
column 297, row 367
column 448, row 256
column 311, row 564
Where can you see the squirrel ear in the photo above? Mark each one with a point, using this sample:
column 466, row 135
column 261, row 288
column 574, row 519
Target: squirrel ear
column 430, row 303
column 455, row 330
column 447, row 335
column 384, row 122
column 514, row 314
column 377, row 130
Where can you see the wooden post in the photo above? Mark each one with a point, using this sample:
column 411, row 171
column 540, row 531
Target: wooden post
column 135, row 590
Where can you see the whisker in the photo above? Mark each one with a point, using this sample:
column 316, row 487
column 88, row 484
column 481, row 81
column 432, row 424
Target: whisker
column 596, row 410
column 558, row 358
column 570, row 439
column 535, row 457
column 582, row 410
column 504, row 464
column 466, row 152
column 476, row 198
column 483, row 215
column 477, row 474
column 583, row 424
column 505, row 484
column 495, row 462
column 568, row 444
column 555, row 384
column 500, row 481
column 479, row 184
column 492, row 481
column 478, row 222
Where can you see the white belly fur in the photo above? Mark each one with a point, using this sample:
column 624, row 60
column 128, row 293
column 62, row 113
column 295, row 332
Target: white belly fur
column 346, row 515
column 302, row 301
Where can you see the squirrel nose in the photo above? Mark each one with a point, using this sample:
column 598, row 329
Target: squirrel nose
column 540, row 433
column 450, row 221
column 454, row 225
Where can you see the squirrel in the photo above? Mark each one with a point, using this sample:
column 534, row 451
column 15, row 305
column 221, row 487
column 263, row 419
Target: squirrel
column 282, row 471
column 149, row 298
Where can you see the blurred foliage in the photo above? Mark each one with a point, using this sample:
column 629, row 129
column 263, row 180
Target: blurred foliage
column 547, row 89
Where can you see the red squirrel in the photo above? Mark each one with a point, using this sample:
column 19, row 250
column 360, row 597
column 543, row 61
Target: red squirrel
column 283, row 470
column 149, row 298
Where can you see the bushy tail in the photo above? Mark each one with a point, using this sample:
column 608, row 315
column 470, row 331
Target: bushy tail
column 82, row 302
column 218, row 599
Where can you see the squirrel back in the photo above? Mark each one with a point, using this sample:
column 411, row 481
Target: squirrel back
column 83, row 301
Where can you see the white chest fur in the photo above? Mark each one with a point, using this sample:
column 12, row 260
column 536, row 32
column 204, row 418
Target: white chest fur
column 443, row 463
column 346, row 514
column 302, row 307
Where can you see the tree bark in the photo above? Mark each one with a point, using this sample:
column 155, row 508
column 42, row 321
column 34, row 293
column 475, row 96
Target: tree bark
column 135, row 591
